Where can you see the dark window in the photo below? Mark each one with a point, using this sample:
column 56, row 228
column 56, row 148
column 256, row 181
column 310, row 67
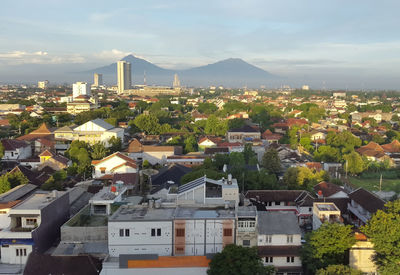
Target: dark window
column 290, row 259
column 153, row 232
column 227, row 232
column 126, row 232
column 310, row 209
column 24, row 251
column 246, row 242
column 180, row 232
column 269, row 259
column 121, row 232
column 277, row 203
column 17, row 251
column 158, row 231
column 270, row 203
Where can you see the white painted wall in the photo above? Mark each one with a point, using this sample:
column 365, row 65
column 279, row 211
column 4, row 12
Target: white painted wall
column 278, row 239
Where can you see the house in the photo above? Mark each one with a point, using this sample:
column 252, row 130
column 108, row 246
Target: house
column 168, row 230
column 152, row 153
column 246, row 231
column 363, row 205
column 188, row 160
column 34, row 177
column 299, row 202
column 317, row 135
column 92, row 132
column 100, row 203
column 208, row 142
column 207, row 191
column 113, row 164
column 54, row 161
column 361, row 254
column 325, row 212
column 329, row 190
column 279, row 241
column 280, row 127
column 35, row 225
column 378, row 115
column 16, row 149
column 245, row 133
column 271, row 137
column 374, row 152
column 42, row 133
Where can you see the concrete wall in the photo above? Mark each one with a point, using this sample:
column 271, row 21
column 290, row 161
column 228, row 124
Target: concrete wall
column 279, row 239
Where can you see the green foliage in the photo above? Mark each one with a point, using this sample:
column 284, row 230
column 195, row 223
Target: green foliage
column 327, row 246
column 345, row 141
column 354, row 163
column 112, row 120
column 115, row 144
column 11, row 180
column 338, row 270
column 148, row 123
column 190, row 144
column 303, row 178
column 55, row 182
column 327, row 153
column 260, row 180
column 383, row 229
column 248, row 153
column 237, row 164
column 1, row 150
column 207, row 108
column 238, row 260
column 146, row 164
column 235, row 123
column 215, row 126
column 98, row 151
column 290, row 177
column 312, row 112
column 271, row 161
column 4, row 184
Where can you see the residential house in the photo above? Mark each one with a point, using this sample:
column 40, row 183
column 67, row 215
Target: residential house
column 271, row 137
column 152, row 153
column 34, row 177
column 329, row 190
column 208, row 142
column 325, row 212
column 374, row 152
column 188, row 160
column 16, row 149
column 363, row 205
column 361, row 255
column 35, row 225
column 246, row 231
column 54, row 161
column 245, row 133
column 317, row 135
column 279, row 241
column 378, row 115
column 42, row 133
column 116, row 163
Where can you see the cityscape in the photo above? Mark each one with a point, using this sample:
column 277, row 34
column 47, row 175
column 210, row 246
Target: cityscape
column 224, row 156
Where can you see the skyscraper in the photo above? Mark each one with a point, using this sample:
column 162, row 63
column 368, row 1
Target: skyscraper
column 124, row 76
column 177, row 83
column 80, row 88
column 98, row 80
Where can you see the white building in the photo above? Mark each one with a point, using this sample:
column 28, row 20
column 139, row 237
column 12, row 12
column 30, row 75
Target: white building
column 325, row 212
column 124, row 76
column 16, row 149
column 279, row 241
column 43, row 84
column 100, row 203
column 97, row 80
column 169, row 230
column 80, row 88
column 116, row 163
column 35, row 225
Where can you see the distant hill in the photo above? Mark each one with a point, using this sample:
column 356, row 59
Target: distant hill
column 232, row 72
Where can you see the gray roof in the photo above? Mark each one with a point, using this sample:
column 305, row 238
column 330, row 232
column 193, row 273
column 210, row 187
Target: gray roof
column 102, row 123
column 191, row 185
column 247, row 211
column 277, row 222
column 17, row 192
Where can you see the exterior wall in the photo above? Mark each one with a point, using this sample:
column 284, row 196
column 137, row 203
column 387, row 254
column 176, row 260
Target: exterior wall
column 239, row 137
column 282, row 262
column 19, row 153
column 108, row 165
column 157, row 157
column 9, row 254
column 360, row 256
column 5, row 220
column 140, row 240
column 83, row 233
column 278, row 239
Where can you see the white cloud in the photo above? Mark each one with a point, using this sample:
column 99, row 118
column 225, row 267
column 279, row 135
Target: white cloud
column 110, row 55
column 38, row 57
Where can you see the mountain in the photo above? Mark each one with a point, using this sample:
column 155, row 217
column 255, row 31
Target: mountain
column 232, row 72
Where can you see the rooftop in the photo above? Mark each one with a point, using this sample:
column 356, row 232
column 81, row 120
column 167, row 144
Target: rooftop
column 326, row 206
column 277, row 222
column 39, row 201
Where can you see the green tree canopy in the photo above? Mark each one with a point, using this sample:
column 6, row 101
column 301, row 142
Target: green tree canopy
column 238, row 260
column 354, row 163
column 338, row 270
column 327, row 153
column 148, row 123
column 98, row 151
column 383, row 229
column 326, row 246
column 215, row 126
column 271, row 161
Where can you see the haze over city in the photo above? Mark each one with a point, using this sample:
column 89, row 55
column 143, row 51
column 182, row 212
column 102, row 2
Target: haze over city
column 338, row 44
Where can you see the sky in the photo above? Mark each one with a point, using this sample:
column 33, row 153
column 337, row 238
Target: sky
column 343, row 43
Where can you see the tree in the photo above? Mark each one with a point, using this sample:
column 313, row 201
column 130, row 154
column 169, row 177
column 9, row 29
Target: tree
column 4, row 184
column 237, row 164
column 354, row 163
column 148, row 123
column 327, row 153
column 383, row 229
column 1, row 150
column 327, row 246
column 235, row 123
column 215, row 126
column 207, row 108
column 238, row 260
column 17, row 178
column 115, row 144
column 338, row 270
column 290, row 177
column 98, row 151
column 248, row 152
column 271, row 161
column 190, row 144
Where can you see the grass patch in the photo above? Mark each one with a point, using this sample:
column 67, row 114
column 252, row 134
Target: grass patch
column 373, row 184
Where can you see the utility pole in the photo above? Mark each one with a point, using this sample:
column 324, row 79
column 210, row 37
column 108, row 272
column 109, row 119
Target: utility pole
column 346, row 167
column 380, row 184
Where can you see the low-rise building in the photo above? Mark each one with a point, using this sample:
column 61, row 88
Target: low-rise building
column 16, row 149
column 116, row 163
column 245, row 133
column 153, row 154
column 246, row 231
column 35, row 225
column 325, row 212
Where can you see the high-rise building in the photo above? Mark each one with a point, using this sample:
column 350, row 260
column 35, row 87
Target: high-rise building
column 124, row 76
column 177, row 83
column 98, row 80
column 43, row 84
column 80, row 88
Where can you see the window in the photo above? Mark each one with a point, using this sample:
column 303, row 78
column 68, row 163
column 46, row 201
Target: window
column 158, row 231
column 268, row 239
column 31, row 221
column 153, row 232
column 246, row 242
column 17, row 252
column 20, row 252
column 309, row 209
column 289, row 238
column 121, row 232
column 269, row 259
column 126, row 232
column 277, row 203
column 290, row 259
column 227, row 232
column 270, row 203
column 180, row 232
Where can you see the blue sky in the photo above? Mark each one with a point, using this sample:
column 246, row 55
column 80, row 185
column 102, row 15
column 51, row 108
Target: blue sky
column 356, row 39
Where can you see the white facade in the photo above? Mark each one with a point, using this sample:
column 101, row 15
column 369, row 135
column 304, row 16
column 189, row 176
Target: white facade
column 97, row 131
column 114, row 164
column 43, row 84
column 18, row 153
column 97, row 80
column 80, row 88
column 124, row 76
